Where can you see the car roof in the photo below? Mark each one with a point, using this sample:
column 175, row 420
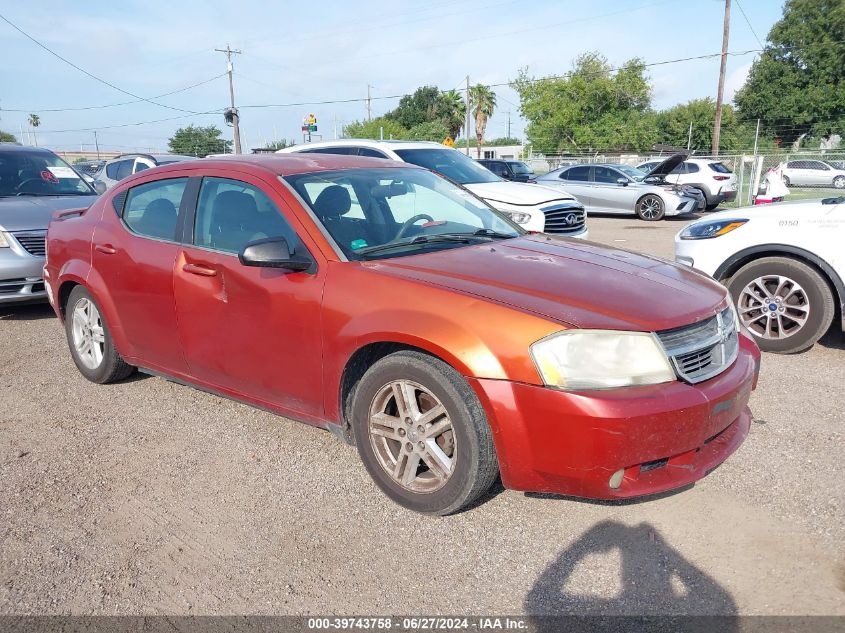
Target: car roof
column 155, row 157
column 392, row 144
column 15, row 147
column 286, row 164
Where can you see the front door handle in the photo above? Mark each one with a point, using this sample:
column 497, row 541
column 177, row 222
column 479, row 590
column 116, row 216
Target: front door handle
column 199, row 269
column 106, row 249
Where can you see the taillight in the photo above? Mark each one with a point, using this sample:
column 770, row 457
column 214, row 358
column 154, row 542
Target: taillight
column 721, row 177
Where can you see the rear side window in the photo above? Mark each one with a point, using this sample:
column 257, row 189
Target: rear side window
column 151, row 209
column 141, row 167
column 692, row 168
column 581, row 173
column 346, row 151
column 372, row 153
column 719, row 167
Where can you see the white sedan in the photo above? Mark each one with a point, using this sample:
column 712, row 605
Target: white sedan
column 783, row 264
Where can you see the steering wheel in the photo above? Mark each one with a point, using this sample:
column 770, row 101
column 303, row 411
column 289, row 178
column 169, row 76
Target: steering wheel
column 407, row 224
column 25, row 182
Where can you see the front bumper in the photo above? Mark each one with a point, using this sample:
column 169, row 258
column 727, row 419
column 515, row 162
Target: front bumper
column 662, row 436
column 20, row 276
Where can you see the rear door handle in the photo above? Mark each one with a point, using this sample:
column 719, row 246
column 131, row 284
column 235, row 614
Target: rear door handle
column 106, row 249
column 199, row 269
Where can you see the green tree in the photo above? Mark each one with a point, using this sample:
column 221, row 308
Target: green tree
column 34, row 122
column 451, row 111
column 797, row 85
column 381, row 127
column 674, row 127
column 5, row 137
column 199, row 141
column 420, row 107
column 275, row 145
column 482, row 103
column 593, row 108
column 430, row 131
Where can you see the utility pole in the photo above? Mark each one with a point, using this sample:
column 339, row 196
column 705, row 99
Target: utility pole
column 756, row 137
column 717, row 123
column 369, row 104
column 509, row 123
column 97, row 144
column 467, row 121
column 689, row 137
column 232, row 112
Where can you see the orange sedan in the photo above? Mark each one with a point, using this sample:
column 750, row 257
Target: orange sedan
column 396, row 309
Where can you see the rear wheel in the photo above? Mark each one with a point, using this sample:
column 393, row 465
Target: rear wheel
column 422, row 434
column 650, row 208
column 839, row 182
column 90, row 342
column 786, row 180
column 785, row 304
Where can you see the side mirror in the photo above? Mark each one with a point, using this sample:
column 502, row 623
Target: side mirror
column 99, row 187
column 622, row 182
column 272, row 253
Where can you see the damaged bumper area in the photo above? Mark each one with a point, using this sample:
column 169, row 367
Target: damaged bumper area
column 619, row 443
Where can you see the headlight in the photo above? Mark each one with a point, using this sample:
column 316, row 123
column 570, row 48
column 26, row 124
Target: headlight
column 4, row 243
column 713, row 228
column 516, row 216
column 601, row 359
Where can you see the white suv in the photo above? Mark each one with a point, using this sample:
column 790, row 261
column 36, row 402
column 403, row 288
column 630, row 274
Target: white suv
column 709, row 176
column 534, row 207
column 783, row 264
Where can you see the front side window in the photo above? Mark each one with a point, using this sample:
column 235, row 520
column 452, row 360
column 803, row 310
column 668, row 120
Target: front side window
column 449, row 162
column 403, row 211
column 606, row 175
column 520, row 168
column 230, row 214
column 152, row 209
column 370, row 152
column 124, row 169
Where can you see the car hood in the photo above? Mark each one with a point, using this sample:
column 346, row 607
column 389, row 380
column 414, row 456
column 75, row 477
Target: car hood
column 575, row 283
column 518, row 193
column 792, row 210
column 661, row 170
column 26, row 213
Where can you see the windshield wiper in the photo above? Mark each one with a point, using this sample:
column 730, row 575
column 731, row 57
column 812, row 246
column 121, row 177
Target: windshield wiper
column 420, row 240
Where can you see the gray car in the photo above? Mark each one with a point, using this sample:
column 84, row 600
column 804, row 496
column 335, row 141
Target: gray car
column 614, row 188
column 34, row 184
column 125, row 165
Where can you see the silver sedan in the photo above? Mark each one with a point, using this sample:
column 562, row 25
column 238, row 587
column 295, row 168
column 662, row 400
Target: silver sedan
column 611, row 188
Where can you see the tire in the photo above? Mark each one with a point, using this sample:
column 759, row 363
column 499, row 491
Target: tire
column 650, row 208
column 786, row 180
column 461, row 436
column 90, row 341
column 800, row 298
column 839, row 182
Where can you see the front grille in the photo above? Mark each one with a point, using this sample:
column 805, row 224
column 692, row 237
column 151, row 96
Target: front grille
column 564, row 219
column 702, row 350
column 33, row 241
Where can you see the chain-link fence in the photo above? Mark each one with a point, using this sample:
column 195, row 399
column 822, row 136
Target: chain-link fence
column 808, row 174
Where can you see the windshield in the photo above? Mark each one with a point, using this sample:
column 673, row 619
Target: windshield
column 376, row 213
column 520, row 168
column 632, row 172
column 25, row 173
column 449, row 162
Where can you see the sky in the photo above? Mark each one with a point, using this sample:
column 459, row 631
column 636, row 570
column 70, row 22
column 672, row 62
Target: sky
column 298, row 53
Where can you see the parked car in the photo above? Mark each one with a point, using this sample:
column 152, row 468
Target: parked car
column 514, row 170
column 813, row 173
column 611, row 188
column 34, row 184
column 532, row 207
column 783, row 265
column 125, row 165
column 89, row 167
column 711, row 177
column 443, row 340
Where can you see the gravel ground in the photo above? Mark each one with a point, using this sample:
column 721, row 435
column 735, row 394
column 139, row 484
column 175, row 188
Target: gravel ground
column 147, row 497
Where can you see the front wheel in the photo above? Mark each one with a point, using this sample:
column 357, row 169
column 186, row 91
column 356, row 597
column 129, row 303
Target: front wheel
column 839, row 182
column 422, row 434
column 785, row 304
column 650, row 208
column 90, row 342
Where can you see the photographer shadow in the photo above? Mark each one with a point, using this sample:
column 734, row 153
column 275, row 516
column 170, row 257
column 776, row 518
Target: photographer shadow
column 659, row 588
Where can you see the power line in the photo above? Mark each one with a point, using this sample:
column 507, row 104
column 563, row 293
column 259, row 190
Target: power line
column 111, row 127
column 85, row 72
column 112, row 105
column 748, row 22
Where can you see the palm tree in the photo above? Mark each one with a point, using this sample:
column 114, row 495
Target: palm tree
column 453, row 111
column 34, row 122
column 482, row 102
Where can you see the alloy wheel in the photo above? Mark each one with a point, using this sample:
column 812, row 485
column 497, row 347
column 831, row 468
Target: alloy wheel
column 88, row 335
column 650, row 207
column 412, row 436
column 839, row 182
column 773, row 307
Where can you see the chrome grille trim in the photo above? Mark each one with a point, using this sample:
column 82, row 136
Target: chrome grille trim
column 702, row 350
column 564, row 219
column 34, row 242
